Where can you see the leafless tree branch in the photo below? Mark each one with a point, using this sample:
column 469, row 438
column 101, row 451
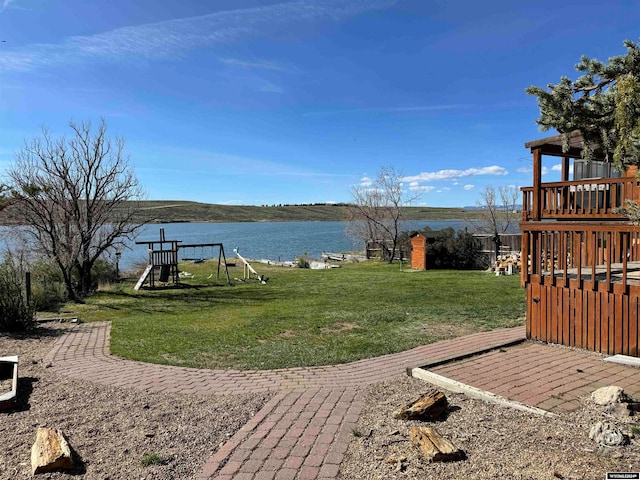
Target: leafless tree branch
column 78, row 198
column 376, row 211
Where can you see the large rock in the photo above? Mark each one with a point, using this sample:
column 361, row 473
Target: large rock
column 609, row 395
column 607, row 435
column 50, row 452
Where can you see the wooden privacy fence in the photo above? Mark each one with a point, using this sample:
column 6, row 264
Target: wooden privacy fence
column 583, row 285
column 510, row 242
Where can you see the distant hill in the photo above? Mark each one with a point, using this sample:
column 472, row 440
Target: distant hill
column 518, row 207
column 167, row 211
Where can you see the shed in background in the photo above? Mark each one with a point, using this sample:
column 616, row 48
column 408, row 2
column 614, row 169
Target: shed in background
column 418, row 251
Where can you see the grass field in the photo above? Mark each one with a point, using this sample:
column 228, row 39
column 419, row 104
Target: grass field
column 301, row 317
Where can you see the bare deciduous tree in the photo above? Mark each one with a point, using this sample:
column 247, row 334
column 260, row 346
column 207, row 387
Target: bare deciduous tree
column 375, row 213
column 5, row 197
column 77, row 197
column 498, row 212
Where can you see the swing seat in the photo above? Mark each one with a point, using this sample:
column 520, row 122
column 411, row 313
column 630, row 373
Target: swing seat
column 164, row 273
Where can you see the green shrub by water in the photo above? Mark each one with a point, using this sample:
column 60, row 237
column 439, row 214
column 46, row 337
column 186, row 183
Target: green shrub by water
column 15, row 313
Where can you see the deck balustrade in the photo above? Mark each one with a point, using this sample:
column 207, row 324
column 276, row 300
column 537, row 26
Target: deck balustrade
column 580, row 254
column 583, row 284
column 592, row 199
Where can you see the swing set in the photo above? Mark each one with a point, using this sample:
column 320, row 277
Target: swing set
column 209, row 248
column 162, row 264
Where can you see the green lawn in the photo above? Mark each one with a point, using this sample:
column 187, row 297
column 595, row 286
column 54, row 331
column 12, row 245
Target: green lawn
column 301, row 317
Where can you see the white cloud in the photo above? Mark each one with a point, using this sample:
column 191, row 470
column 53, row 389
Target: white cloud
column 366, row 182
column 5, row 4
column 255, row 64
column 405, row 109
column 529, row 170
column 206, row 162
column 558, row 168
column 452, row 174
column 469, row 187
column 172, row 38
column 421, row 188
column 271, row 88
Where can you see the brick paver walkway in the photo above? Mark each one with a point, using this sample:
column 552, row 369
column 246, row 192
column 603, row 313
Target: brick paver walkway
column 305, row 429
column 550, row 377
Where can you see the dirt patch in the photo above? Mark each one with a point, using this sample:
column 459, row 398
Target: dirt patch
column 441, row 331
column 113, row 429
column 499, row 442
column 287, row 334
column 212, row 360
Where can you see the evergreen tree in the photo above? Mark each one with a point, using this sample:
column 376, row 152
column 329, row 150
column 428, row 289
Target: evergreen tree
column 603, row 104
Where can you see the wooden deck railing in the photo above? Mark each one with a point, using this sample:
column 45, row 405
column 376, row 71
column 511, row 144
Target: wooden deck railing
column 592, row 253
column 583, row 285
column 579, row 200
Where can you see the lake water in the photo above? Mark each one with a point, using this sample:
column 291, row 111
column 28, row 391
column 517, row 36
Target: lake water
column 278, row 241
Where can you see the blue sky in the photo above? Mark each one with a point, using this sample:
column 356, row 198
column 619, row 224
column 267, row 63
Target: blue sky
column 266, row 102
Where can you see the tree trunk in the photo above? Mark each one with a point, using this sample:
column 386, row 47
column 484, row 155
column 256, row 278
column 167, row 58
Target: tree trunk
column 392, row 254
column 84, row 278
column 68, row 283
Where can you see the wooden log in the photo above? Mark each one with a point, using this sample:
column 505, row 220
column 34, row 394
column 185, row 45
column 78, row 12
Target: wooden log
column 433, row 446
column 429, row 406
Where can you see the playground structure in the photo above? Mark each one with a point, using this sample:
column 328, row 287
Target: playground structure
column 248, row 270
column 162, row 262
column 222, row 259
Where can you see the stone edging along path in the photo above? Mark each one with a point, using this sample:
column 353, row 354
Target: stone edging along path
column 302, row 432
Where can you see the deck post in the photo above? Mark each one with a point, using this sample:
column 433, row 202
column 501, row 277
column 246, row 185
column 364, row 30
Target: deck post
column 537, row 180
column 565, row 169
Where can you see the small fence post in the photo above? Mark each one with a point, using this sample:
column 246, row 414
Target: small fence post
column 27, row 281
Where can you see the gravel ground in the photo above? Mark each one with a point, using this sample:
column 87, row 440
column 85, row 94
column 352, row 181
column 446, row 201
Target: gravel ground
column 111, row 430
column 499, row 442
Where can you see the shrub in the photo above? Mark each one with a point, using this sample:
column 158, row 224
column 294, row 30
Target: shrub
column 103, row 272
column 303, row 261
column 448, row 249
column 47, row 289
column 467, row 254
column 15, row 313
column 457, row 251
column 153, row 459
